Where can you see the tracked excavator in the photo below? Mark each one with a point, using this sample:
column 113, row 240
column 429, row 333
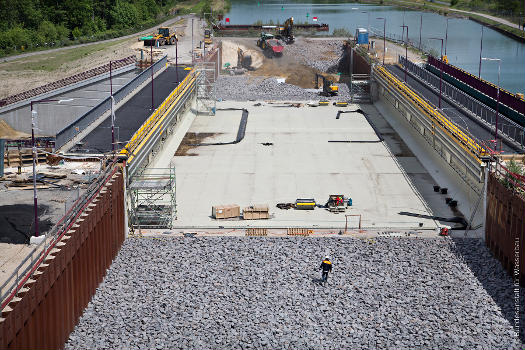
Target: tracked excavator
column 329, row 88
column 285, row 33
column 243, row 60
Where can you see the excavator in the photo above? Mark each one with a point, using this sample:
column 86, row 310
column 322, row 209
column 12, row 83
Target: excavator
column 285, row 32
column 329, row 89
column 161, row 38
column 243, row 60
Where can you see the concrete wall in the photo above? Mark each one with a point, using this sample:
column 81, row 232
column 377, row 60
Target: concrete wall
column 450, row 166
column 53, row 116
column 52, row 301
column 505, row 227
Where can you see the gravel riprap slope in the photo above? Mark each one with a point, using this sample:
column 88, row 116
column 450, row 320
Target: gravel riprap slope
column 242, row 88
column 323, row 55
column 262, row 293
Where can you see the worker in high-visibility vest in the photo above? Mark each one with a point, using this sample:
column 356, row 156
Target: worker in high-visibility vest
column 326, row 267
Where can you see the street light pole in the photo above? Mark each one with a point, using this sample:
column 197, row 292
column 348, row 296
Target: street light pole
column 384, row 38
column 151, row 55
column 112, row 109
column 446, row 36
column 192, row 46
column 33, row 143
column 441, row 74
column 420, row 26
column 497, row 100
column 480, row 51
column 177, row 60
column 406, row 51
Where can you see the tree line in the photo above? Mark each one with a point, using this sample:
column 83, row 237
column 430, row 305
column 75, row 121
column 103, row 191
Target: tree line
column 26, row 24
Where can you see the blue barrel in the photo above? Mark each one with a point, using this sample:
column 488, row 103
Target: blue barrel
column 349, row 202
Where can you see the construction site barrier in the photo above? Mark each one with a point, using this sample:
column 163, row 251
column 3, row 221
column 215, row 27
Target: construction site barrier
column 69, row 132
column 485, row 115
column 135, row 144
column 43, row 303
column 460, row 137
column 67, row 81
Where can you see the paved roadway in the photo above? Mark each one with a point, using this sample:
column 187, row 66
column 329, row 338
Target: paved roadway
column 458, row 117
column 132, row 114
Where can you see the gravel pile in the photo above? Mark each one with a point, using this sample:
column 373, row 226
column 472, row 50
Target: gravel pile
column 263, row 293
column 323, row 55
column 242, row 88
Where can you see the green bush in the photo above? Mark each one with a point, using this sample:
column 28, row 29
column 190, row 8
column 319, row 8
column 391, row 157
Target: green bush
column 343, row 32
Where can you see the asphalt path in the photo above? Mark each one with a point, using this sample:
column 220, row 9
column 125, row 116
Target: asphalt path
column 457, row 116
column 132, row 114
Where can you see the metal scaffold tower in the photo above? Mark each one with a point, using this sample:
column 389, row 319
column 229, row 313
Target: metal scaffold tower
column 205, row 82
column 153, row 202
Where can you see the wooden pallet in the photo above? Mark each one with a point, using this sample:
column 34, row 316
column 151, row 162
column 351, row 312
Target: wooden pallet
column 297, row 231
column 256, row 232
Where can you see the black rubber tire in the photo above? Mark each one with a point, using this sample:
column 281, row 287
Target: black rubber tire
column 172, row 40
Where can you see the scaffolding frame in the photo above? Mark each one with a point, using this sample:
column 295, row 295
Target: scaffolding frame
column 205, row 85
column 153, row 202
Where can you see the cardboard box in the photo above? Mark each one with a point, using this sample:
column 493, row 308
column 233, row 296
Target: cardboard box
column 225, row 211
column 256, row 212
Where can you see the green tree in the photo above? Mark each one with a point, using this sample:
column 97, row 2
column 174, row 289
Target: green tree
column 48, row 31
column 124, row 15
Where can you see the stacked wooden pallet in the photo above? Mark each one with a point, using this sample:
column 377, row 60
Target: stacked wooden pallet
column 23, row 157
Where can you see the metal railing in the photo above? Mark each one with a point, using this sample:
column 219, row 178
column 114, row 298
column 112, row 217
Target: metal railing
column 132, row 147
column 483, row 113
column 37, row 256
column 459, row 136
column 69, row 132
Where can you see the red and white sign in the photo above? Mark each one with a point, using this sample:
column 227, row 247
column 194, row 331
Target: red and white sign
column 227, row 19
column 315, row 19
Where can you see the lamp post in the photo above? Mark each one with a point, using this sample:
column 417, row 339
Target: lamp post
column 420, row 26
column 33, row 143
column 446, row 36
column 112, row 109
column 480, row 51
column 441, row 67
column 406, row 51
column 384, row 37
column 151, row 55
column 368, row 22
column 497, row 98
column 177, row 59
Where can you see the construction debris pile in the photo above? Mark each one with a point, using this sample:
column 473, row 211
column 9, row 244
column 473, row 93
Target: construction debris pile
column 264, row 293
column 242, row 88
column 323, row 55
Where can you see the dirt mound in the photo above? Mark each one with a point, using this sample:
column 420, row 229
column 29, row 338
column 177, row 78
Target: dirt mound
column 8, row 133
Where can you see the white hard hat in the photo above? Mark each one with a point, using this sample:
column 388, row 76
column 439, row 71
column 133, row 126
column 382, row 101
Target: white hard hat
column 327, row 257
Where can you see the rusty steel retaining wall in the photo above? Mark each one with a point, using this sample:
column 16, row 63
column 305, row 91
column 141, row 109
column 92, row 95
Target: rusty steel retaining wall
column 49, row 306
column 505, row 226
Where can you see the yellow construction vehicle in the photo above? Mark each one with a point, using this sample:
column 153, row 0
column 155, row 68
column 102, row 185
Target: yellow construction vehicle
column 207, row 37
column 445, row 59
column 285, row 32
column 329, row 89
column 243, row 60
column 163, row 37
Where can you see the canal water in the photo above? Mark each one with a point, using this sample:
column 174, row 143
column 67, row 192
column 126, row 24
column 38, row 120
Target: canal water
column 464, row 36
